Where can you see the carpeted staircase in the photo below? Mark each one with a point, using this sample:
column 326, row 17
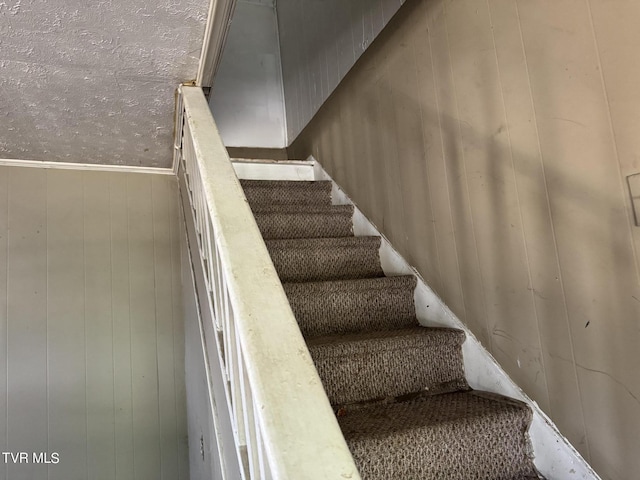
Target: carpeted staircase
column 398, row 389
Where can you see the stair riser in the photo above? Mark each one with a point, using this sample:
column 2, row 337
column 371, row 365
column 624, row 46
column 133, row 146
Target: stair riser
column 348, row 312
column 307, row 225
column 317, row 265
column 287, row 193
column 365, row 377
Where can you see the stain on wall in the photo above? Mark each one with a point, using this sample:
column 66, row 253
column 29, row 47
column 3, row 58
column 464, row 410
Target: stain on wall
column 490, row 141
column 94, row 82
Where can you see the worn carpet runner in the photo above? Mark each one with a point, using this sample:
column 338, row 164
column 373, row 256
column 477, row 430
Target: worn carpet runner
column 398, row 389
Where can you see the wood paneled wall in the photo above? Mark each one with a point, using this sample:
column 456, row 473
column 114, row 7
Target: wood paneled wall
column 491, row 142
column 319, row 42
column 91, row 334
column 247, row 97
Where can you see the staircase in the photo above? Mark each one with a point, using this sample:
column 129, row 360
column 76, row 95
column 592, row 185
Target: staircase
column 398, row 389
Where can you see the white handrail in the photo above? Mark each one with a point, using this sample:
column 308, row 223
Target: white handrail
column 284, row 425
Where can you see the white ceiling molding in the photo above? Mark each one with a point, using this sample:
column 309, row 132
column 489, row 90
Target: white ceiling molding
column 96, row 167
column 215, row 35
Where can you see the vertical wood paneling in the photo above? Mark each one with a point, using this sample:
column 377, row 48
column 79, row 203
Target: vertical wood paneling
column 345, row 151
column 445, row 255
column 247, row 98
column 305, row 86
column 456, row 176
column 615, row 35
column 315, row 64
column 91, row 328
column 591, row 221
column 161, row 198
column 417, row 213
column 377, row 19
column 494, row 201
column 319, row 43
column 393, row 213
column 358, row 13
column 144, row 341
column 344, row 35
column 546, row 287
column 27, row 419
column 330, row 40
column 101, row 448
column 121, row 307
column 4, row 258
column 177, row 231
column 526, row 130
column 67, row 331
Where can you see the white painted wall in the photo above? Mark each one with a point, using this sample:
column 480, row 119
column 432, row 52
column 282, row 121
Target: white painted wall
column 91, row 332
column 247, row 97
column 320, row 40
column 278, row 68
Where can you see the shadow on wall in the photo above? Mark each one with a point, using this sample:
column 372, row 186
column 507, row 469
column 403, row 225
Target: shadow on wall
column 520, row 223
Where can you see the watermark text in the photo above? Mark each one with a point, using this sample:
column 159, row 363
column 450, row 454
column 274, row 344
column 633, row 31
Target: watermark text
column 44, row 458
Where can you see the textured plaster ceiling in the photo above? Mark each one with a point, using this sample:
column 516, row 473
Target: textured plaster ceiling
column 94, row 81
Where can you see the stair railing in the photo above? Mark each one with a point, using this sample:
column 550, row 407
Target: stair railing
column 283, row 424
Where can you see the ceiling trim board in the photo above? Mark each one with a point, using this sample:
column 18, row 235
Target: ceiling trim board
column 215, row 36
column 10, row 162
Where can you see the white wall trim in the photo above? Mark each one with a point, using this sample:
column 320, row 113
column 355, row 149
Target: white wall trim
column 215, row 36
column 281, row 72
column 10, row 162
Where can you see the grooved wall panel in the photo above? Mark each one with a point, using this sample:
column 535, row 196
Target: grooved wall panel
column 247, row 97
column 179, row 319
column 120, row 304
column 319, row 42
column 99, row 343
column 91, row 346
column 143, row 324
column 491, row 142
column 26, row 344
column 67, row 327
column 4, row 219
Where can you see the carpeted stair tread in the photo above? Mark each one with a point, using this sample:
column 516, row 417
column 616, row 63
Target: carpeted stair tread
column 351, row 306
column 375, row 365
column 461, row 435
column 315, row 259
column 272, row 192
column 302, row 209
column 304, row 221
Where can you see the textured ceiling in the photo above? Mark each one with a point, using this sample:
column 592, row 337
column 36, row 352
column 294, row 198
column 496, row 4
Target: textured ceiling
column 94, row 81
